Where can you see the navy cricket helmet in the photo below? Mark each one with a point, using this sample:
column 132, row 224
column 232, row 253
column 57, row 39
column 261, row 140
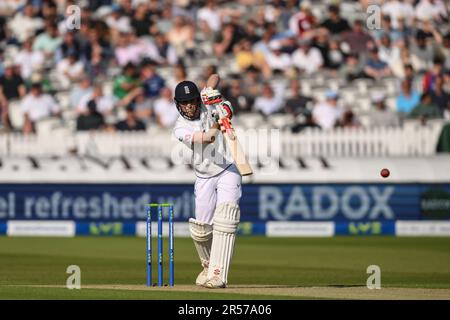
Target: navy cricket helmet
column 186, row 91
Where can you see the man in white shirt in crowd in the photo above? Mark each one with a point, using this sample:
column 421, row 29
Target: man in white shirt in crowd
column 327, row 114
column 431, row 10
column 69, row 70
column 105, row 103
column 28, row 59
column 396, row 9
column 380, row 115
column 79, row 91
column 165, row 109
column 269, row 102
column 276, row 59
column 209, row 17
column 307, row 58
column 24, row 25
column 36, row 106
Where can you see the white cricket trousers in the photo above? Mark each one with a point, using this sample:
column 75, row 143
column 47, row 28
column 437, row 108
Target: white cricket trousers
column 209, row 192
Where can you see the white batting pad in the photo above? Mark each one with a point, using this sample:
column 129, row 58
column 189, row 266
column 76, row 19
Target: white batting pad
column 225, row 223
column 202, row 234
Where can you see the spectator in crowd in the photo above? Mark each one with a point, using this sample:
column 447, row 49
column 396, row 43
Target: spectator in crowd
column 422, row 52
column 126, row 7
column 126, row 50
column 91, row 119
column 226, row 39
column 48, row 41
column 251, row 31
column 28, row 59
column 69, row 70
column 408, row 73
column 297, row 103
column 245, row 57
column 42, row 75
column 239, row 99
column 37, row 106
column 440, row 97
column 398, row 66
column 165, row 110
column 431, row 75
column 163, row 53
column 426, row 108
column 335, row 56
column 141, row 21
column 327, row 114
column 83, row 88
column 11, row 84
column 209, row 17
column 357, row 39
column 69, row 46
column 380, row 115
column 181, row 36
column 403, row 32
column 306, row 58
column 118, row 23
column 348, row 120
column 303, row 23
column 126, row 82
column 142, row 106
column 269, row 102
column 307, row 123
column 251, row 82
column 375, row 67
column 152, row 82
column 276, row 59
column 335, row 24
column 431, row 10
column 387, row 52
column 104, row 104
column 408, row 98
column 131, row 122
column 321, row 42
column 397, row 9
column 430, row 32
column 96, row 50
column 164, row 22
column 352, row 68
column 262, row 46
column 25, row 24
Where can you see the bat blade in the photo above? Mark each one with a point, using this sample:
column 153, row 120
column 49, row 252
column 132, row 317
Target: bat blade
column 238, row 155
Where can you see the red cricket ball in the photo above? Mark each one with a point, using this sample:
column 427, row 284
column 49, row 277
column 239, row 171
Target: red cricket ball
column 385, row 173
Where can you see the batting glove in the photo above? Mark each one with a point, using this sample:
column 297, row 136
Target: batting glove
column 209, row 94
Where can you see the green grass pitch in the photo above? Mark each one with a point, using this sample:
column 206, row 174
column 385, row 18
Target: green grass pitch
column 35, row 268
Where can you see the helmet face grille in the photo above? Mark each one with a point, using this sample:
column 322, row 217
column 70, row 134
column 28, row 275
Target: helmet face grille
column 184, row 114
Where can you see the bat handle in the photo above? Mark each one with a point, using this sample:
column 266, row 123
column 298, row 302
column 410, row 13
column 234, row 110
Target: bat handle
column 227, row 125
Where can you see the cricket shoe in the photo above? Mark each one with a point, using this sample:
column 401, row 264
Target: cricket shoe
column 215, row 283
column 202, row 277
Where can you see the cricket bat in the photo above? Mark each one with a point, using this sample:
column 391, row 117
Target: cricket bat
column 231, row 139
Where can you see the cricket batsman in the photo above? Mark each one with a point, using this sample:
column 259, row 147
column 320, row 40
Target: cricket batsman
column 218, row 184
